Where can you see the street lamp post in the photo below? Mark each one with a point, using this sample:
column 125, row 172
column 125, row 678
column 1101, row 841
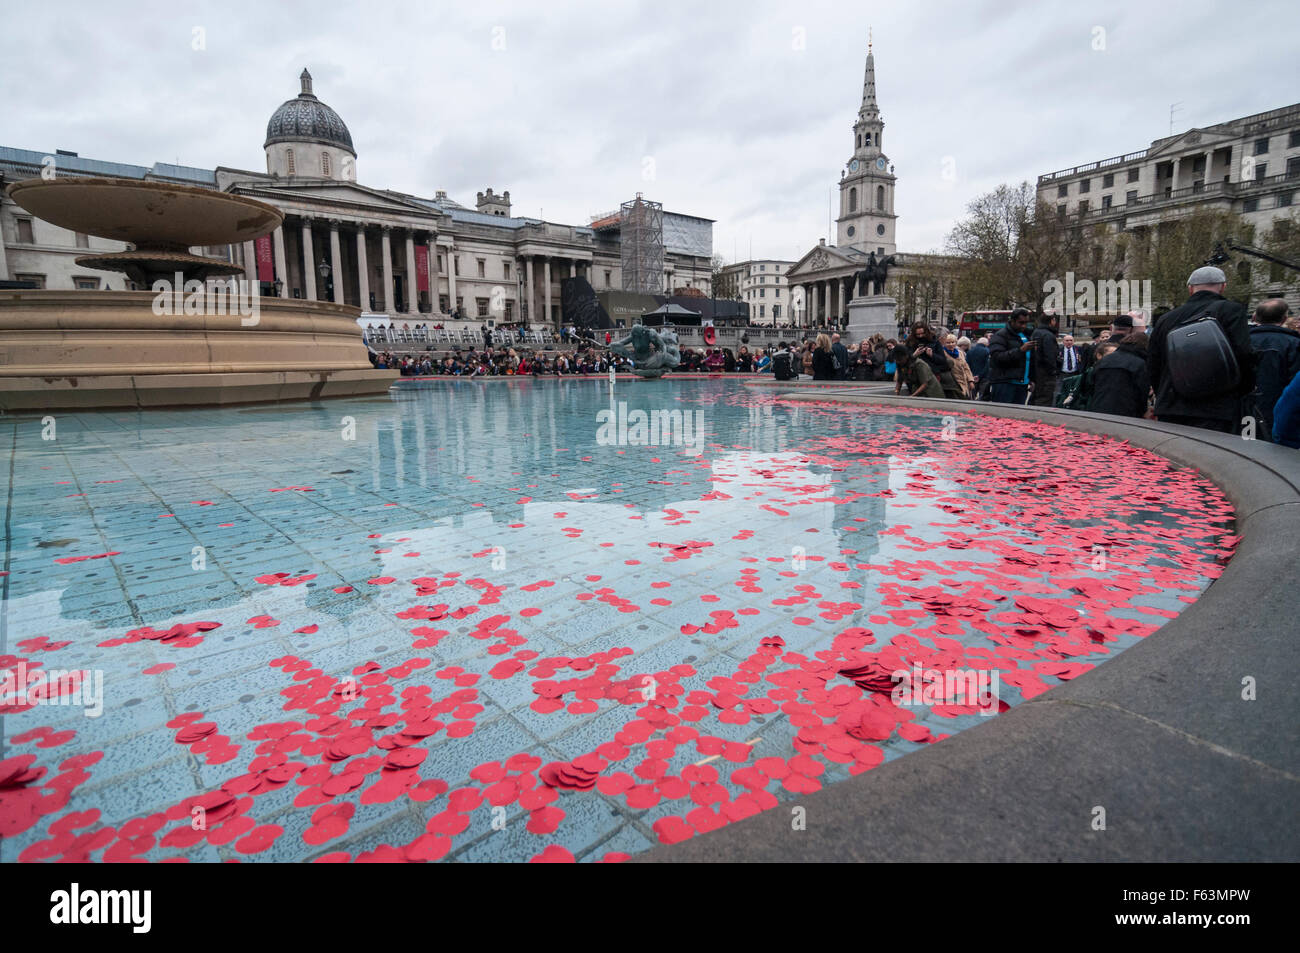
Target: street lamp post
column 324, row 270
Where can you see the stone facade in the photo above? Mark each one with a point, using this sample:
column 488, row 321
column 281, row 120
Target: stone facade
column 482, row 261
column 1250, row 166
column 762, row 284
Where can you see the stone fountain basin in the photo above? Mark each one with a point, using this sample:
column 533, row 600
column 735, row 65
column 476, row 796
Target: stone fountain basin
column 148, row 214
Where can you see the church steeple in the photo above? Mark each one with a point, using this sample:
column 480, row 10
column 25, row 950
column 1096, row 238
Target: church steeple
column 869, row 128
column 867, row 217
column 870, row 108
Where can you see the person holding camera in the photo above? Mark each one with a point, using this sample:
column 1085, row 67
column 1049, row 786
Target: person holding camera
column 923, row 345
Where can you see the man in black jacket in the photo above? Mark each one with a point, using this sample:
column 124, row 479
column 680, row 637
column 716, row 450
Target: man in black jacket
column 841, row 356
column 1120, row 383
column 1047, row 361
column 1221, row 412
column 1011, row 358
column 1277, row 354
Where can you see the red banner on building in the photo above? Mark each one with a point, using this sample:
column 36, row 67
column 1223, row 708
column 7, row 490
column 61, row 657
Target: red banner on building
column 421, row 267
column 265, row 269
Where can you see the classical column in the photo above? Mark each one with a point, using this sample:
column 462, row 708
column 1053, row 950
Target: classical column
column 451, row 277
column 308, row 265
column 546, row 277
column 573, row 268
column 812, row 309
column 281, row 270
column 363, row 269
column 386, row 249
column 412, row 294
column 532, row 303
column 250, row 263
column 433, row 273
column 336, row 261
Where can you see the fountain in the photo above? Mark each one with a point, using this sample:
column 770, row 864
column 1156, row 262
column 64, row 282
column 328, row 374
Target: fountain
column 653, row 352
column 197, row 337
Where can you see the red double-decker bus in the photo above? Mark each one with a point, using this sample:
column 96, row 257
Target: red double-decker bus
column 976, row 324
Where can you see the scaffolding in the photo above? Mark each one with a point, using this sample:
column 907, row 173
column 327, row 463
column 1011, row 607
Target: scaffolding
column 641, row 246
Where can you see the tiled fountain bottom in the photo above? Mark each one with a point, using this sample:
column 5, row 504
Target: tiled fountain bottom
column 462, row 623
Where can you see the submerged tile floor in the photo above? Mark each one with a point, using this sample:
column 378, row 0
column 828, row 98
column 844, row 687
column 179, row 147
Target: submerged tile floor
column 458, row 622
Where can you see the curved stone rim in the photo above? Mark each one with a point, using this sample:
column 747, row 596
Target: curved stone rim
column 146, row 229
column 1158, row 736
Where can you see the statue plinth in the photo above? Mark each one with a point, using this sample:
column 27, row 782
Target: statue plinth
column 873, row 314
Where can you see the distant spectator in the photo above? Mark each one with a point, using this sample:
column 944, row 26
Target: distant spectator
column 1277, row 355
column 841, row 354
column 961, row 371
column 1011, row 359
column 823, row 360
column 1120, row 384
column 1047, row 361
column 978, row 359
column 1286, row 416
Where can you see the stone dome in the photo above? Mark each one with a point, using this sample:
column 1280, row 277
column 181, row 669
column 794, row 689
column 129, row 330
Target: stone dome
column 307, row 119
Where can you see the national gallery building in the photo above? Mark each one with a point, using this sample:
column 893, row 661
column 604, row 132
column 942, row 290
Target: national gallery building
column 386, row 252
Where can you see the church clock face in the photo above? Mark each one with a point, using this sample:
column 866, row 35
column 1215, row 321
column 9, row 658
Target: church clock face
column 880, row 164
column 854, row 165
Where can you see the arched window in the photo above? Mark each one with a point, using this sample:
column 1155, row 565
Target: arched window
column 853, row 200
column 325, row 164
column 859, row 140
column 289, row 158
column 868, row 139
column 880, row 197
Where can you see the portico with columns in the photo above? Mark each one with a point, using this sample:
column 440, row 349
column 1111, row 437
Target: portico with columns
column 343, row 241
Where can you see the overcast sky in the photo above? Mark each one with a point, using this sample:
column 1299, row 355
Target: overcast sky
column 736, row 111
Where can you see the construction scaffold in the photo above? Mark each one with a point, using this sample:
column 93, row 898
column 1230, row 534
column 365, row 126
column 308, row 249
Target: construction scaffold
column 641, row 245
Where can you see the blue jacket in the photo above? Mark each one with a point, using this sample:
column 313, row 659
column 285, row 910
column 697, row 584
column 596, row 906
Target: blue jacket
column 978, row 359
column 1286, row 416
column 1277, row 360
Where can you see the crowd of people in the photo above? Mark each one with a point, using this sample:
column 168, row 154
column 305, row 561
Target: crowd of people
column 1203, row 364
column 501, row 362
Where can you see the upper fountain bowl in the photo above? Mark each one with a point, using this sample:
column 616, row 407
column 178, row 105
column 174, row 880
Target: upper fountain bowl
column 148, row 214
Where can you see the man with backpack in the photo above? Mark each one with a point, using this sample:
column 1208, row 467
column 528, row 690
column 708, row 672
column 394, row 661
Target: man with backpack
column 841, row 354
column 1199, row 357
column 1277, row 355
column 783, row 363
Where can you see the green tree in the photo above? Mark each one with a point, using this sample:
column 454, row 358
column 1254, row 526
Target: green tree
column 1011, row 245
column 1167, row 252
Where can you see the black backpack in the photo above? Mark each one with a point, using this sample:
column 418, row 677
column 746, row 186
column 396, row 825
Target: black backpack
column 1200, row 358
column 781, row 366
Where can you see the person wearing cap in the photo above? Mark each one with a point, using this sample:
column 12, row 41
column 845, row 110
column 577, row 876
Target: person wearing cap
column 1121, row 327
column 1221, row 412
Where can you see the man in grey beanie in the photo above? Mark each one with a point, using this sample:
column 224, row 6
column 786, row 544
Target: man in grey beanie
column 1211, row 410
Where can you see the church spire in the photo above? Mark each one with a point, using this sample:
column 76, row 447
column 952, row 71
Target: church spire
column 870, row 108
